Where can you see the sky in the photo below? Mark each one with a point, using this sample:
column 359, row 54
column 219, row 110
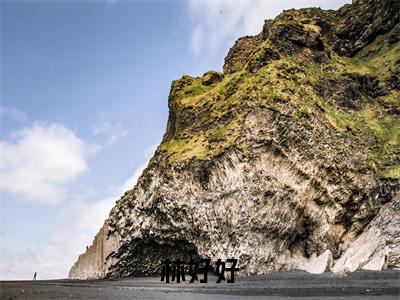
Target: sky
column 84, row 103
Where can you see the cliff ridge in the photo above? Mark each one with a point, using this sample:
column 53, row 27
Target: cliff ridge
column 291, row 153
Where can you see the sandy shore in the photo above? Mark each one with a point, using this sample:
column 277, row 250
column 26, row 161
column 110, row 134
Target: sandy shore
column 299, row 285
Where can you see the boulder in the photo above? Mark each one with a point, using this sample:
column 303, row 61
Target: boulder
column 212, row 77
column 320, row 264
column 377, row 245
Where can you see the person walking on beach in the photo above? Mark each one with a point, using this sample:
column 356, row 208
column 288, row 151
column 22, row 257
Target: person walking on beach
column 34, row 276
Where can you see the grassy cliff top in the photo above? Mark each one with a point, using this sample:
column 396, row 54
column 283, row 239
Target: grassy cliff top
column 296, row 67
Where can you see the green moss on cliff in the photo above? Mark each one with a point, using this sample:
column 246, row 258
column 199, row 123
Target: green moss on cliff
column 204, row 145
column 375, row 59
column 391, row 173
column 295, row 85
column 190, row 88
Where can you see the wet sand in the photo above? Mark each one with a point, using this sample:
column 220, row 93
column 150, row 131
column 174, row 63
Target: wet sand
column 299, row 285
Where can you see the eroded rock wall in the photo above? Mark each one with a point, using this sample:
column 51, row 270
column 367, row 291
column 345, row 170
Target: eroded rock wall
column 285, row 161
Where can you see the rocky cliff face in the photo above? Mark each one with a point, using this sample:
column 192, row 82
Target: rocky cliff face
column 291, row 152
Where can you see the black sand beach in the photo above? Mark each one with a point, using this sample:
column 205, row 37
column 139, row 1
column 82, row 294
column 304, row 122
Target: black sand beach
column 299, row 285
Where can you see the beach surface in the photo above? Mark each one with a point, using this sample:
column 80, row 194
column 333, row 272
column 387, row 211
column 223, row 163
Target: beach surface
column 299, row 285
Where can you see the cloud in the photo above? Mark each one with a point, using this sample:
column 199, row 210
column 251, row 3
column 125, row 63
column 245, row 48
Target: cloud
column 110, row 131
column 14, row 114
column 90, row 216
column 131, row 181
column 218, row 23
column 56, row 258
column 37, row 162
column 17, row 265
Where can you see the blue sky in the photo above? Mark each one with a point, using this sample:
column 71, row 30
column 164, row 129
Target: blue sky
column 84, row 88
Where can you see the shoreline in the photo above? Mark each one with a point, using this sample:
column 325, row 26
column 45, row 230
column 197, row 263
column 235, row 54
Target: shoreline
column 298, row 284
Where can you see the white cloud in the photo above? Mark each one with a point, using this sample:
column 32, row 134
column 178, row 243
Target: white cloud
column 14, row 114
column 218, row 23
column 17, row 265
column 110, row 131
column 131, row 181
column 37, row 162
column 56, row 258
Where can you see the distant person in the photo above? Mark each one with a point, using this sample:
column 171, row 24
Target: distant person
column 34, row 276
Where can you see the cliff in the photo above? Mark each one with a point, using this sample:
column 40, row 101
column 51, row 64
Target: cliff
column 289, row 159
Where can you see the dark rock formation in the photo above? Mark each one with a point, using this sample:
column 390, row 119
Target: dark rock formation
column 239, row 53
column 211, row 77
column 360, row 23
column 284, row 161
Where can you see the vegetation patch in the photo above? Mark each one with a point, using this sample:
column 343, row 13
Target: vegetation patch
column 392, row 173
column 295, row 85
